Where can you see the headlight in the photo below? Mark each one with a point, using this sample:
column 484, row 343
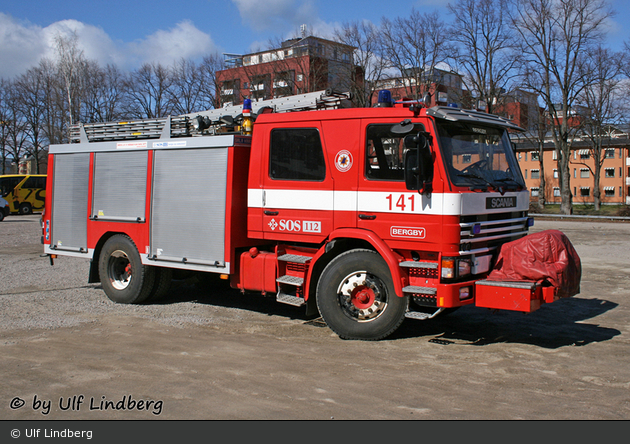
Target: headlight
column 455, row 267
column 464, row 267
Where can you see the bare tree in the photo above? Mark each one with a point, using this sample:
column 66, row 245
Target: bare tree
column 16, row 136
column 555, row 36
column 366, row 67
column 209, row 67
column 487, row 49
column 31, row 94
column 104, row 94
column 55, row 119
column 601, row 100
column 413, row 46
column 537, row 133
column 186, row 90
column 148, row 92
column 72, row 66
column 4, row 122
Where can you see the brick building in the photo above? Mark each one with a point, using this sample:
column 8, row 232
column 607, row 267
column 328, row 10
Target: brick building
column 444, row 85
column 298, row 66
column 614, row 177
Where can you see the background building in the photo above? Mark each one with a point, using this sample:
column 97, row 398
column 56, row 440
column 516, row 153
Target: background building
column 444, row 85
column 299, row 65
column 615, row 171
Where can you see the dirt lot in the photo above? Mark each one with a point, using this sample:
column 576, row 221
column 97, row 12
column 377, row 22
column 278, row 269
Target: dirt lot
column 210, row 353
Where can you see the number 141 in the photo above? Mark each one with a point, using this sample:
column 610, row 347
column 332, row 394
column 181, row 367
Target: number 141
column 401, row 202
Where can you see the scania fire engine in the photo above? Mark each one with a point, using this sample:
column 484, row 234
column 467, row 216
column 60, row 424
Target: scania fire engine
column 363, row 216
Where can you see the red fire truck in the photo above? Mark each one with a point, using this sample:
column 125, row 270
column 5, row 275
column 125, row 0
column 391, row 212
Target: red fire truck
column 365, row 216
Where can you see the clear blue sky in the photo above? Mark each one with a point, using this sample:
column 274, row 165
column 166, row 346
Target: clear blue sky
column 130, row 32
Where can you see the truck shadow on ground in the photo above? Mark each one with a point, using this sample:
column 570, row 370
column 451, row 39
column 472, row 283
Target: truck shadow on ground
column 552, row 326
column 218, row 293
column 557, row 325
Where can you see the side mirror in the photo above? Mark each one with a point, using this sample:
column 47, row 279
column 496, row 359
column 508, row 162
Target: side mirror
column 418, row 163
column 412, row 170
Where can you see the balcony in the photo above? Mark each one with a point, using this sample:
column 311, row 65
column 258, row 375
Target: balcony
column 627, row 161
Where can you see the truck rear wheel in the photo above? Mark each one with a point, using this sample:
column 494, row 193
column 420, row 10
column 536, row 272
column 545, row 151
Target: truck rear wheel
column 125, row 280
column 163, row 280
column 356, row 297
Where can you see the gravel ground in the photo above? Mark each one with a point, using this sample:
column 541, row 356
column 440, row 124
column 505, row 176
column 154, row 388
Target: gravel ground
column 34, row 294
column 209, row 352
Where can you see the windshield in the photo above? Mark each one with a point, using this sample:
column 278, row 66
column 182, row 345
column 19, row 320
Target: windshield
column 479, row 156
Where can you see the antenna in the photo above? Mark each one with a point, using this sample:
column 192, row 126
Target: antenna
column 303, row 30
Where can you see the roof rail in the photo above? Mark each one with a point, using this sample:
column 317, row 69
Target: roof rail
column 220, row 120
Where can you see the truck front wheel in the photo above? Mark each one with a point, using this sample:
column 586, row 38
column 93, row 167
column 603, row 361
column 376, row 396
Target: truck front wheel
column 125, row 280
column 356, row 297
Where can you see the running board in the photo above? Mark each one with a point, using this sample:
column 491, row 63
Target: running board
column 420, row 290
column 419, row 315
column 289, row 299
column 290, row 280
column 297, row 258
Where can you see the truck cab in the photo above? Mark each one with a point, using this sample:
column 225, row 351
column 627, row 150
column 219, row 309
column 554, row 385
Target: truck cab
column 433, row 192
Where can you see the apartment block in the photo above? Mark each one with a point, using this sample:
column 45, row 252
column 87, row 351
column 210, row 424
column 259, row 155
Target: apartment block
column 297, row 66
column 614, row 177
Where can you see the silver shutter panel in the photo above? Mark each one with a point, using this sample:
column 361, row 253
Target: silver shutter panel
column 70, row 200
column 120, row 184
column 188, row 205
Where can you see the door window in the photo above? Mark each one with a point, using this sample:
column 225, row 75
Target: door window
column 296, row 154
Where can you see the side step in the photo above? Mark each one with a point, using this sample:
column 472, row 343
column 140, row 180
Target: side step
column 294, row 258
column 420, row 290
column 419, row 264
column 289, row 299
column 298, row 264
column 290, row 280
column 422, row 316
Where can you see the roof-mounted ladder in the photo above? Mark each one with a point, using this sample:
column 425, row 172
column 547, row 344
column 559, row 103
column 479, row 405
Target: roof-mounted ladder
column 219, row 120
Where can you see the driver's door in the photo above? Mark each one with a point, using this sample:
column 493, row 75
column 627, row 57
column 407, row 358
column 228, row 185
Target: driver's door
column 385, row 205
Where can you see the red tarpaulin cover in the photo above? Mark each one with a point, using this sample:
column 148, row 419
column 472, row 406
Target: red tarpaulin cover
column 545, row 256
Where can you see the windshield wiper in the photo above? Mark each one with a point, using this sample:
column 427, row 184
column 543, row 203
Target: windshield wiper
column 499, row 188
column 477, row 176
column 518, row 185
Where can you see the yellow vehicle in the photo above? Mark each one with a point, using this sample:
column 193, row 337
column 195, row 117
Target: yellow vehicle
column 25, row 193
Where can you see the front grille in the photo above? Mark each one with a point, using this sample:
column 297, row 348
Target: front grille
column 493, row 230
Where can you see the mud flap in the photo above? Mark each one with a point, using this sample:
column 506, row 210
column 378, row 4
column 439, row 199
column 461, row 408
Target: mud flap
column 523, row 296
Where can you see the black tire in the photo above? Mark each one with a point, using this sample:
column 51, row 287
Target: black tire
column 25, row 208
column 163, row 280
column 125, row 280
column 356, row 297
column 1, row 214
